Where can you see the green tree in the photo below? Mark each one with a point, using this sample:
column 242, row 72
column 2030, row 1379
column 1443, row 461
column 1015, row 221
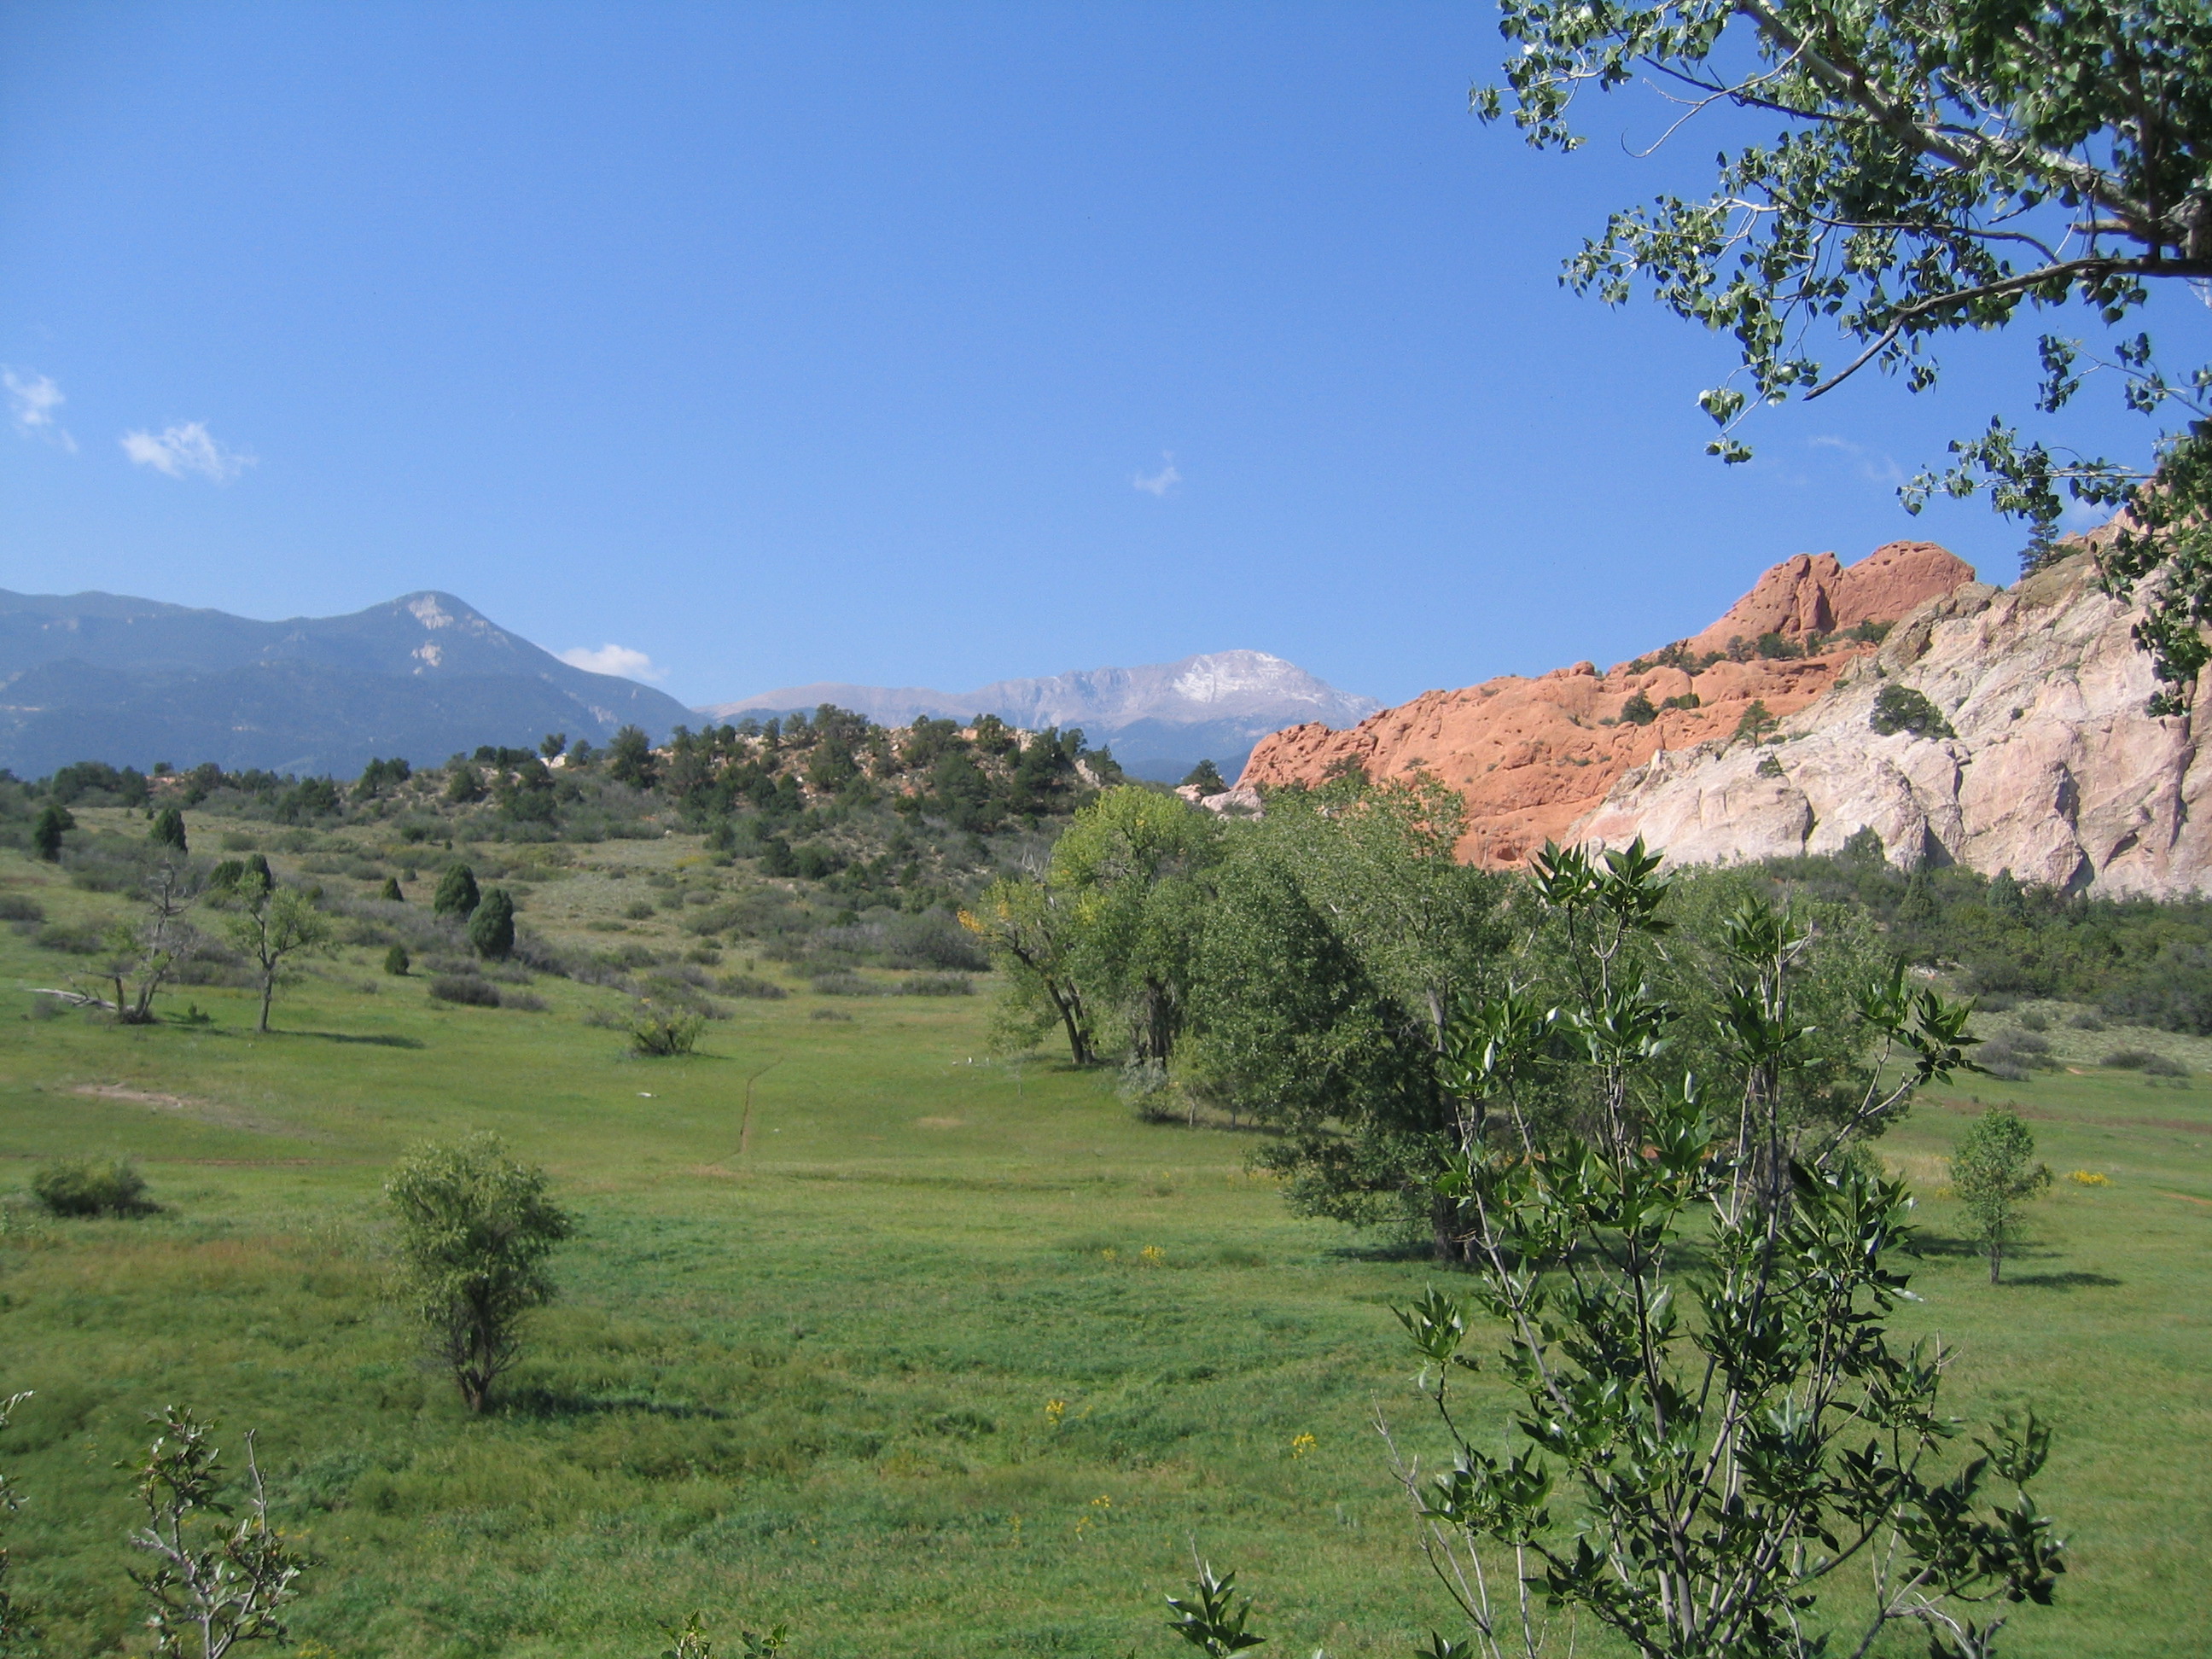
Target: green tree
column 1994, row 1173
column 1345, row 932
column 168, row 830
column 1757, row 725
column 1900, row 708
column 1719, row 1450
column 272, row 925
column 1132, row 867
column 457, row 894
column 1031, row 931
column 1205, row 778
column 53, row 822
column 1637, row 710
column 397, row 962
column 630, row 758
column 1931, row 169
column 209, row 1591
column 475, row 1232
column 390, row 892
column 491, row 929
column 464, row 783
column 143, row 958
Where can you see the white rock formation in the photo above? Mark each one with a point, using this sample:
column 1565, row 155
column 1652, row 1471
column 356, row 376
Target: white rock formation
column 2056, row 773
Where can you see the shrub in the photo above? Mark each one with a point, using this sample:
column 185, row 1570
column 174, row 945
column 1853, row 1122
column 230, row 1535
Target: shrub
column 457, row 894
column 465, row 988
column 1900, row 708
column 1776, row 648
column 939, row 985
column 1637, row 710
column 2144, row 1060
column 14, row 907
column 79, row 939
column 745, row 985
column 2085, row 1020
column 661, row 1035
column 2034, row 1021
column 397, row 962
column 844, row 983
column 79, row 1187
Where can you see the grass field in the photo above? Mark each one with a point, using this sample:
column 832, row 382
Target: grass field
column 805, row 1365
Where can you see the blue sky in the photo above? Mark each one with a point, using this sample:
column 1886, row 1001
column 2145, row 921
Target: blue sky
column 903, row 345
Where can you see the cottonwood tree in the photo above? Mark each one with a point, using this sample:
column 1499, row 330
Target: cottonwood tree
column 1029, row 928
column 1931, row 168
column 209, row 1591
column 1994, row 1173
column 272, row 925
column 475, row 1231
column 1343, row 933
column 1721, row 1451
column 1133, row 867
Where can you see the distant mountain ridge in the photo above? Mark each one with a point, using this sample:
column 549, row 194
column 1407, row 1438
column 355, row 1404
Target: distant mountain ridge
column 108, row 677
column 1159, row 718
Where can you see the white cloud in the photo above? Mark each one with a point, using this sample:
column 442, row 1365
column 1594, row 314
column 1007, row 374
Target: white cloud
column 191, row 448
column 614, row 659
column 1160, row 482
column 32, row 402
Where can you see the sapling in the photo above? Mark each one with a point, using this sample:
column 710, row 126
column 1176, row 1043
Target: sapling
column 1994, row 1173
column 210, row 1590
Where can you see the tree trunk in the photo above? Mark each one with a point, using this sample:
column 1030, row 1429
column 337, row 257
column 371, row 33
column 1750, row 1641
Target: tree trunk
column 268, row 991
column 1997, row 1258
column 1443, row 1231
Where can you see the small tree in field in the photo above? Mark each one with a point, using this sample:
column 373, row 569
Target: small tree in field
column 209, row 1593
column 168, row 830
column 1994, row 1173
column 457, row 894
column 491, row 929
column 53, row 822
column 274, row 924
column 475, row 1229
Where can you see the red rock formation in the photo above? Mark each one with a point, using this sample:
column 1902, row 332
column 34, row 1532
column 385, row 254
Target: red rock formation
column 1532, row 755
column 1812, row 593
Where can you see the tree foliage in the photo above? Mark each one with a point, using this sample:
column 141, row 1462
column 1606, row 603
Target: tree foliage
column 1994, row 1173
column 1932, row 168
column 491, row 925
column 208, row 1594
column 475, row 1231
column 457, row 894
column 272, row 925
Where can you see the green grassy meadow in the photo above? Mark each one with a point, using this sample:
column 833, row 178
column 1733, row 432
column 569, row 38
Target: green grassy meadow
column 805, row 1364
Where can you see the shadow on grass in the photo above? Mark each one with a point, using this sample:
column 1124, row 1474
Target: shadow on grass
column 387, row 1041
column 2068, row 1281
column 546, row 1404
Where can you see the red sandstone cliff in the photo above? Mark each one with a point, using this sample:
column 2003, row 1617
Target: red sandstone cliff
column 1533, row 755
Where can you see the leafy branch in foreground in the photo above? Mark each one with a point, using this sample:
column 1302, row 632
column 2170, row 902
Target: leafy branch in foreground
column 10, row 1501
column 1214, row 1620
column 1934, row 168
column 1693, row 1299
column 208, row 1597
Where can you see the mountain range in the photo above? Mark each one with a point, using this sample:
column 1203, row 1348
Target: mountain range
column 131, row 681
column 103, row 676
column 1160, row 719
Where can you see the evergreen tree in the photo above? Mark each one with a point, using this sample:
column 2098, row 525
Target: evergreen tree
column 392, row 895
column 630, row 758
column 54, row 822
column 168, row 830
column 457, row 894
column 1205, row 778
column 491, row 929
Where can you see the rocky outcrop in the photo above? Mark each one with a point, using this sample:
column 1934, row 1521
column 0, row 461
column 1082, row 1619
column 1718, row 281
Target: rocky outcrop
column 1813, row 593
column 1533, row 755
column 2051, row 768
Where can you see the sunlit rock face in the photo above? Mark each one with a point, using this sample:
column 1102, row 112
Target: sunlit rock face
column 2054, row 771
column 1534, row 756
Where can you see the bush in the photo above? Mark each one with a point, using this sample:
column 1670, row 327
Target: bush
column 491, row 929
column 1900, row 708
column 844, row 983
column 662, row 1035
column 2085, row 1020
column 14, row 907
column 465, row 988
column 745, row 985
column 397, row 962
column 939, row 985
column 79, row 939
column 2144, row 1060
column 2034, row 1021
column 78, row 1187
column 1637, row 710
